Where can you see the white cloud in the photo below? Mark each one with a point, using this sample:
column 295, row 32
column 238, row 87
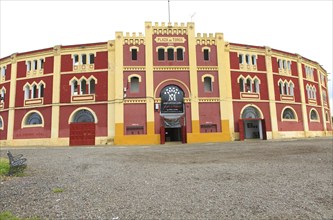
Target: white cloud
column 303, row 27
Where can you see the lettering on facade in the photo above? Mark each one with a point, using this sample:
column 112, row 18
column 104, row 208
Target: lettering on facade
column 170, row 40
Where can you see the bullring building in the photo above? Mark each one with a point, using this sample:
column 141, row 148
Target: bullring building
column 168, row 84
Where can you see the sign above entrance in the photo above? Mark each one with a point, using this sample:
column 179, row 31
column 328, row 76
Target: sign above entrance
column 170, row 40
column 172, row 100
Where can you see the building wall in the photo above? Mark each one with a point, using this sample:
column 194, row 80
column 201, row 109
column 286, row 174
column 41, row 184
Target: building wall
column 123, row 116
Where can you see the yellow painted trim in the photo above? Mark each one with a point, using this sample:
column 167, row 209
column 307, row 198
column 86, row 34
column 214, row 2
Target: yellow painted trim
column 205, row 48
column 70, row 119
column 23, row 125
column 147, row 139
column 251, row 105
column 133, row 47
column 133, row 75
column 172, row 80
column 207, row 75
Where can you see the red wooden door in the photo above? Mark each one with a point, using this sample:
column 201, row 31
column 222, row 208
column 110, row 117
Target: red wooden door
column 241, row 129
column 263, row 126
column 82, row 134
column 183, row 134
column 162, row 135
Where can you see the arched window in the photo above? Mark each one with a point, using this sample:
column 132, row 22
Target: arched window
column 34, row 65
column 251, row 112
column 34, row 92
column 41, row 64
column 83, row 87
column 281, row 88
column 161, row 54
column 134, row 52
column 288, row 114
column 33, row 119
column 208, row 84
column 134, row 84
column 280, row 63
column 291, row 89
column 92, row 86
column 41, row 91
column 285, row 88
column 91, row 58
column 289, row 65
column 254, row 60
column 240, row 58
column 284, row 64
column 314, row 115
column 248, row 85
column 326, row 117
column 180, row 54
column 256, row 86
column 247, row 59
column 206, row 54
column 75, row 60
column 1, row 123
column 27, row 92
column 171, row 54
column 83, row 59
column 83, row 115
column 74, row 87
column 28, row 65
column 241, row 84
column 2, row 95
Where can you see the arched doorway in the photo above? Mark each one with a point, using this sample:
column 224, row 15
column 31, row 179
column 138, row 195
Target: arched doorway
column 82, row 128
column 252, row 124
column 172, row 114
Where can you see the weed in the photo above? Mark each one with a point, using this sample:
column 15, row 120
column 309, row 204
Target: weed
column 4, row 166
column 57, row 190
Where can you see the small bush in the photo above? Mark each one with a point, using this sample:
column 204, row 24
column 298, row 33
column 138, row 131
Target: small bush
column 4, row 166
column 9, row 216
column 57, row 190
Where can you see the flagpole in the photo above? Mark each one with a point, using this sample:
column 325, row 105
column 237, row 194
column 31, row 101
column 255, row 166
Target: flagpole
column 169, row 9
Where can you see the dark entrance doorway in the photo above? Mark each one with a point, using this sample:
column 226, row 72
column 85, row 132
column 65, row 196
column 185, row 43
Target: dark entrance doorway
column 251, row 126
column 173, row 127
column 172, row 134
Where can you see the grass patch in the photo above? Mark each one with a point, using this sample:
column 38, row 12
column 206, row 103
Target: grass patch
column 4, row 167
column 9, row 216
column 57, row 190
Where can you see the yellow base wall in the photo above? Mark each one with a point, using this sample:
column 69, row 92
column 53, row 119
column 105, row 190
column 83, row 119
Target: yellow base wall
column 207, row 137
column 137, row 139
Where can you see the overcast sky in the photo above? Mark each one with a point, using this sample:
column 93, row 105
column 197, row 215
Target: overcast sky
column 303, row 27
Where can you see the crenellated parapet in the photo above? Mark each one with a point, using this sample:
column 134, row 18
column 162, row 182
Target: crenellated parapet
column 134, row 38
column 171, row 28
column 208, row 39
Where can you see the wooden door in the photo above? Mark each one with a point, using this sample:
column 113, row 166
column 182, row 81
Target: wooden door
column 82, row 134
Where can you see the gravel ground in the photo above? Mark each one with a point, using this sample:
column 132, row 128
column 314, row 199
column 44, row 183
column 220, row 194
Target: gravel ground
column 289, row 179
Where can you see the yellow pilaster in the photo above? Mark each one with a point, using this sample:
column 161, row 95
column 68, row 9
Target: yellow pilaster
column 149, row 78
column 111, row 90
column 271, row 93
column 11, row 112
column 223, row 65
column 193, row 77
column 321, row 99
column 302, row 93
column 118, row 86
column 56, row 94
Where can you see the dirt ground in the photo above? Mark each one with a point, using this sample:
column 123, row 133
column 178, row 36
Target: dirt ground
column 285, row 179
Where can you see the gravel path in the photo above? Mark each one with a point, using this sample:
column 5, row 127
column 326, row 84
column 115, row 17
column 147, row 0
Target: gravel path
column 289, row 179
